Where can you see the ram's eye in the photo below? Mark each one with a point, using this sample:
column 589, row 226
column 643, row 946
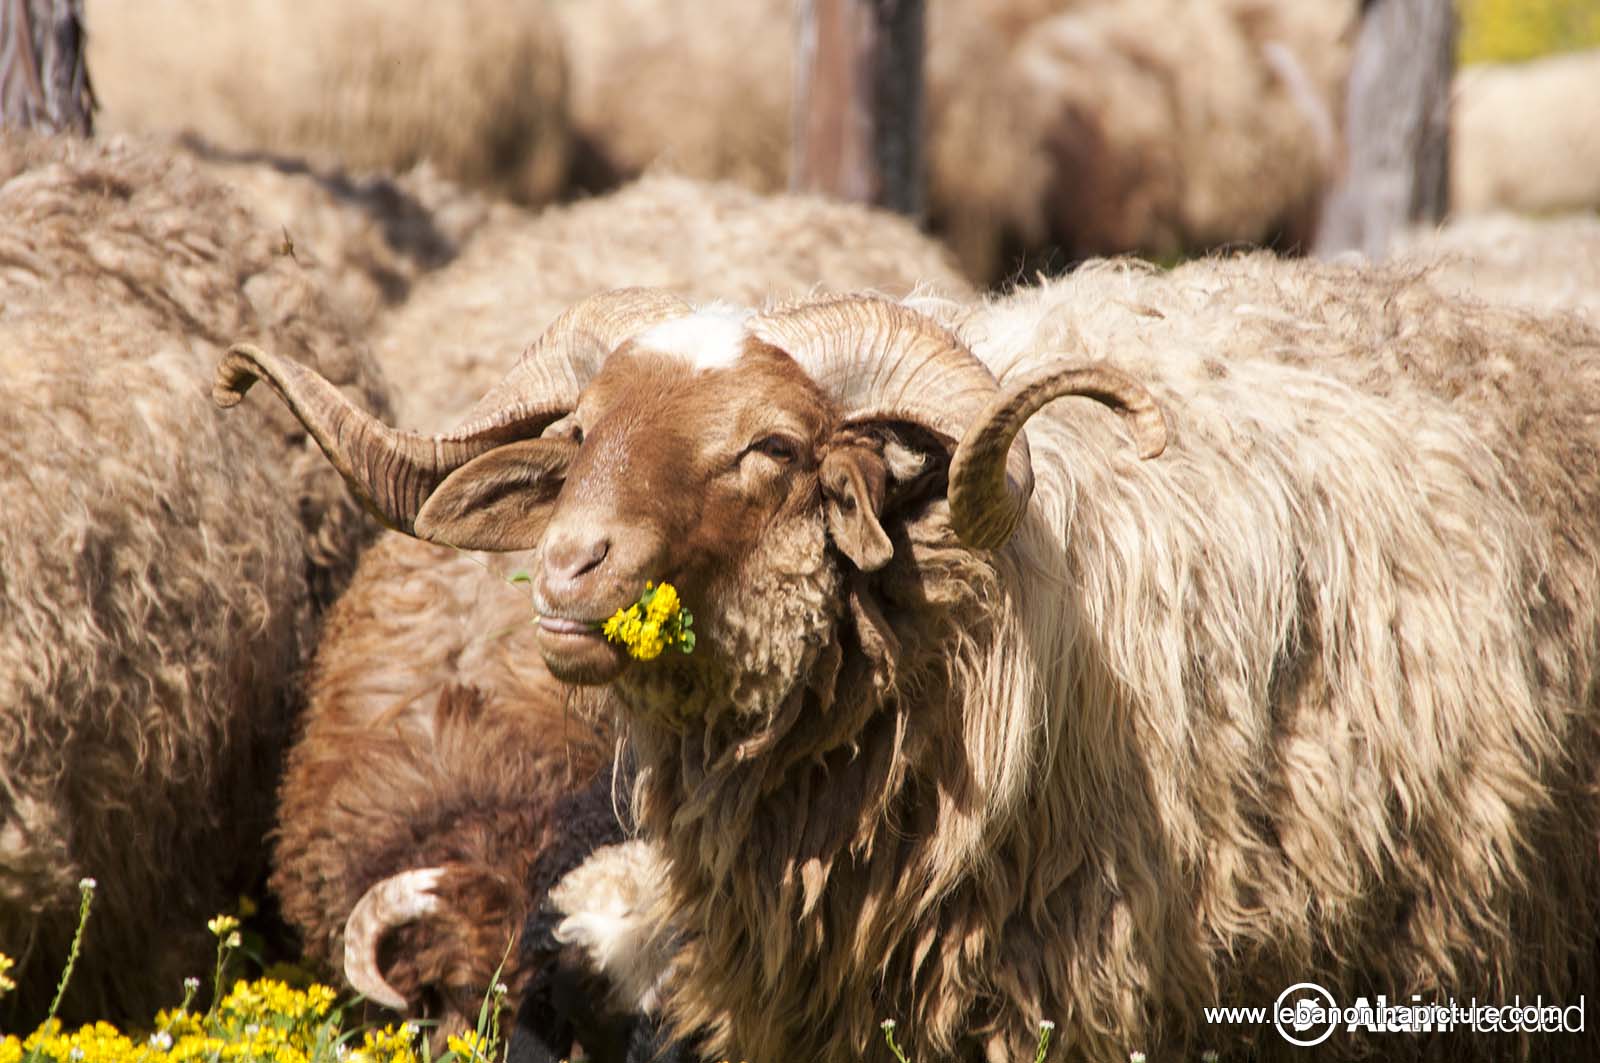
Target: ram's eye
column 778, row 448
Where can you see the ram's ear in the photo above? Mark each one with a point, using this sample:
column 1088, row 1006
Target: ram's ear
column 854, row 483
column 500, row 500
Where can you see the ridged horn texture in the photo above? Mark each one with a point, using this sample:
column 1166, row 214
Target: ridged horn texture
column 547, row 379
column 984, row 509
column 390, row 471
column 391, row 902
column 393, row 472
column 881, row 361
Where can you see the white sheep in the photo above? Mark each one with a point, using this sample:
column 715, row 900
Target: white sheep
column 1526, row 136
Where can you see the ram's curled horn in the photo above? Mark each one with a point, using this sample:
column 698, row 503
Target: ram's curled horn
column 984, row 509
column 393, row 472
column 881, row 361
column 392, row 902
column 390, row 471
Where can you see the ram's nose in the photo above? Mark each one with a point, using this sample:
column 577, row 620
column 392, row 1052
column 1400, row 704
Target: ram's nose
column 572, row 558
column 575, row 594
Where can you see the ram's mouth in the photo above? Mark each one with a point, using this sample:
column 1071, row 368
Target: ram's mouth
column 576, row 651
column 560, row 625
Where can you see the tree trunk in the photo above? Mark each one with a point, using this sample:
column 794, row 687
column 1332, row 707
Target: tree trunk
column 43, row 82
column 1397, row 121
column 858, row 102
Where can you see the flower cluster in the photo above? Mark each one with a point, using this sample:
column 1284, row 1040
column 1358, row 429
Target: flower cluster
column 264, row 1021
column 471, row 1046
column 656, row 622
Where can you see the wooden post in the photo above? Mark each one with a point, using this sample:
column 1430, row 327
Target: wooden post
column 858, row 102
column 1397, row 123
column 43, row 81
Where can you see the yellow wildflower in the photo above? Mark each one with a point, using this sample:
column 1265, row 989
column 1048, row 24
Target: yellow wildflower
column 222, row 925
column 469, row 1046
column 388, row 1045
column 663, row 605
column 7, row 983
column 651, row 625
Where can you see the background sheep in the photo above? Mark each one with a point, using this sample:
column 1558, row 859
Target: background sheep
column 1314, row 693
column 1153, row 126
column 464, row 325
column 477, row 87
column 163, row 567
column 707, row 92
column 1098, row 127
column 1523, row 136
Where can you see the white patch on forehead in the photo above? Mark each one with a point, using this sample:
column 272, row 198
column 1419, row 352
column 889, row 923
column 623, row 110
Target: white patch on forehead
column 712, row 337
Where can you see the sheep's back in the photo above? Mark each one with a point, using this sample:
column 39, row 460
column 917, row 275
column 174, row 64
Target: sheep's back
column 477, row 87
column 465, row 324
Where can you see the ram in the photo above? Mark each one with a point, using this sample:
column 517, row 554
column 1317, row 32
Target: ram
column 478, row 88
column 163, row 568
column 985, row 728
column 370, row 794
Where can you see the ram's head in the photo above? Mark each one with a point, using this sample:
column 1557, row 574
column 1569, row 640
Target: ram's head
column 641, row 439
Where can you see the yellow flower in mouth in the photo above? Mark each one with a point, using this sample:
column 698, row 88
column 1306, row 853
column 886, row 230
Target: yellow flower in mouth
column 656, row 622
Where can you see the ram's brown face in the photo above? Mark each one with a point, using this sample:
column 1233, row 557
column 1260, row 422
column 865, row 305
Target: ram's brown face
column 678, row 475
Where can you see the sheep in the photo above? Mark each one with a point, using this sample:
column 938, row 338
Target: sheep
column 438, row 772
column 1523, row 136
column 463, row 324
column 1053, row 128
column 478, row 88
column 1153, row 126
column 164, row 567
column 1302, row 685
column 411, row 629
column 1539, row 263
column 711, row 104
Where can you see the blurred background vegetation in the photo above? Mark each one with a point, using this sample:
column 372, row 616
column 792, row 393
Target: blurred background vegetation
column 1506, row 31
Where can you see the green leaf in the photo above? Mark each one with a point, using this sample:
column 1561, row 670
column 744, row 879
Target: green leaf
column 519, row 576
